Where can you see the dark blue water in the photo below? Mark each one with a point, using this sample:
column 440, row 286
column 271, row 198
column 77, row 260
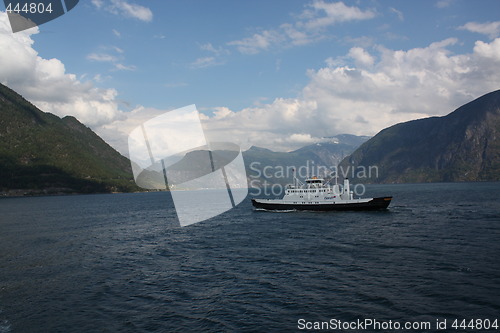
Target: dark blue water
column 120, row 263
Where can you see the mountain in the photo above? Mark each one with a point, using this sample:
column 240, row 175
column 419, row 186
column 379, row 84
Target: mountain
column 41, row 153
column 462, row 146
column 331, row 152
column 268, row 167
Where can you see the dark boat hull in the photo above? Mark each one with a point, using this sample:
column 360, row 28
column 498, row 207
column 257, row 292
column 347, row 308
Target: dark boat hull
column 374, row 204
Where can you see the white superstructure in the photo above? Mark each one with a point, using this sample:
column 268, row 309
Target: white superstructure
column 317, row 191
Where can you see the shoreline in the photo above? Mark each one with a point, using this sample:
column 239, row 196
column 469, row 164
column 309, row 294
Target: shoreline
column 26, row 193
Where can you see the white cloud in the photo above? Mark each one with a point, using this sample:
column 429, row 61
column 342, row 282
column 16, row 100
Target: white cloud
column 398, row 13
column 98, row 3
column 258, row 42
column 326, row 14
column 491, row 29
column 303, row 139
column 117, row 49
column 216, row 57
column 125, row 8
column 116, row 133
column 404, row 85
column 115, row 60
column 122, row 67
column 101, row 57
column 361, row 57
column 362, row 93
column 216, row 51
column 45, row 83
column 307, row 28
column 204, row 62
column 489, row 51
column 268, row 125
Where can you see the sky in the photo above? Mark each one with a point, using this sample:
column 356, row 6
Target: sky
column 278, row 74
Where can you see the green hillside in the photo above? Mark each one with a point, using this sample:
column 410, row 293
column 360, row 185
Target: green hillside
column 41, row 153
column 462, row 146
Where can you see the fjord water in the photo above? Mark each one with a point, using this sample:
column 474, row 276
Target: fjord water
column 120, row 263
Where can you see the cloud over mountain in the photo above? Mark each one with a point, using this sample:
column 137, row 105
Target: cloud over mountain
column 46, row 83
column 363, row 92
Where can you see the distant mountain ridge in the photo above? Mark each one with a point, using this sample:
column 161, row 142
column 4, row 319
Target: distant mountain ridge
column 265, row 166
column 332, row 151
column 462, row 146
column 41, row 153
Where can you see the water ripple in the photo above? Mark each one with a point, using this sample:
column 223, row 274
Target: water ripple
column 121, row 263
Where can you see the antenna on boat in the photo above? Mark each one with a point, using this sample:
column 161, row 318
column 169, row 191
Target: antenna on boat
column 294, row 178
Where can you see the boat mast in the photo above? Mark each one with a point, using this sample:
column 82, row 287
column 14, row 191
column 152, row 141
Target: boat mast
column 294, row 178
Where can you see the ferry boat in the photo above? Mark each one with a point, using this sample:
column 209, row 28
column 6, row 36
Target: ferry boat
column 318, row 195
